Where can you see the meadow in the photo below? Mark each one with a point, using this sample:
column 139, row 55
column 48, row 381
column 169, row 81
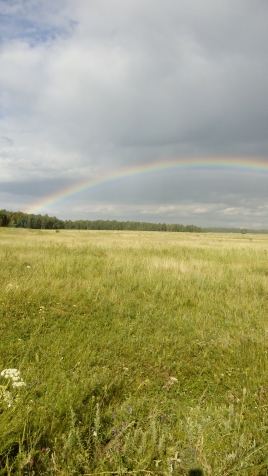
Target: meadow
column 142, row 353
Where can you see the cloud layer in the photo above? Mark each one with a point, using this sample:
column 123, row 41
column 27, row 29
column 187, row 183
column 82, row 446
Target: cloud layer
column 90, row 87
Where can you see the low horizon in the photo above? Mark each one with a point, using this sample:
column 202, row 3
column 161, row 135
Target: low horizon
column 184, row 224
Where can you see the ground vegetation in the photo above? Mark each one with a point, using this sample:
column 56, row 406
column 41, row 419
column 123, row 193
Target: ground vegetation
column 127, row 352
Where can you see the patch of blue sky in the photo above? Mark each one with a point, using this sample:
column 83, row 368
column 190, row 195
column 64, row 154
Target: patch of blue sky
column 12, row 27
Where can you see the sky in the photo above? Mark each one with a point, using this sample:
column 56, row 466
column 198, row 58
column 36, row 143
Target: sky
column 91, row 88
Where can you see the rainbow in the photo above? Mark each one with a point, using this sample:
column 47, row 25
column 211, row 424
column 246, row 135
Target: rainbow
column 248, row 164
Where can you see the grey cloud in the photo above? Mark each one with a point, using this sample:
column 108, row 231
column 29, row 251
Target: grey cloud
column 5, row 141
column 89, row 87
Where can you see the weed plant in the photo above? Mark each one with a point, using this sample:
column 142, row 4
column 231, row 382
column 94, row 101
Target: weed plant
column 142, row 353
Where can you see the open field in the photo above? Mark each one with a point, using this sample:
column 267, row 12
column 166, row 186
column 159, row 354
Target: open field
column 142, row 353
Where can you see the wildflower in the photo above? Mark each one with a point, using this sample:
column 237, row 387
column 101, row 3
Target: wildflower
column 19, row 384
column 7, row 397
column 13, row 375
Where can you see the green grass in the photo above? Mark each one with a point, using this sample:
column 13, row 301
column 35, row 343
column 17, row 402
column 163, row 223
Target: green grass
column 143, row 353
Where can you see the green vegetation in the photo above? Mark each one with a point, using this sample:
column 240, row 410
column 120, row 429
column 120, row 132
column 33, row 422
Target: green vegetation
column 142, row 353
column 44, row 222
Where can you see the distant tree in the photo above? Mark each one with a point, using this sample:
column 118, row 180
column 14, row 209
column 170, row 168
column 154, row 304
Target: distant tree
column 4, row 219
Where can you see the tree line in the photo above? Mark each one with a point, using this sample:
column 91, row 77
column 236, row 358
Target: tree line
column 45, row 222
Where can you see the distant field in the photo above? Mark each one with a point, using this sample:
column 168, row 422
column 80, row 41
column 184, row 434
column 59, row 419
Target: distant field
column 142, row 353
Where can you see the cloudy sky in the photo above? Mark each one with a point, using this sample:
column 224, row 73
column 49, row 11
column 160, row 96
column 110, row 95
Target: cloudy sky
column 92, row 87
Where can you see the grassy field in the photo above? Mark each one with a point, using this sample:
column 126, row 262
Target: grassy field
column 143, row 353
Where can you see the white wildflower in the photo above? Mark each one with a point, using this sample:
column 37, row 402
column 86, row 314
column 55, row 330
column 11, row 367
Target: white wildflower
column 15, row 378
column 7, row 397
column 10, row 373
column 19, row 384
column 173, row 379
column 14, row 375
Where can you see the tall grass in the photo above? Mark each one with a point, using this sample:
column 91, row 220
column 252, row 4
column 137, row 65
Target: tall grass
column 142, row 353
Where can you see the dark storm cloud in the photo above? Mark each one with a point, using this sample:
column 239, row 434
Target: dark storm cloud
column 89, row 87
